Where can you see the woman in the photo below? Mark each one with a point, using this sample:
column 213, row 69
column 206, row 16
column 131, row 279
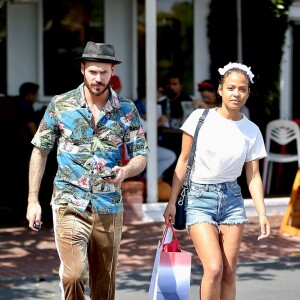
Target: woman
column 208, row 92
column 215, row 209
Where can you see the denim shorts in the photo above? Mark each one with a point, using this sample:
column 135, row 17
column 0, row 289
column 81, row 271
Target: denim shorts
column 220, row 203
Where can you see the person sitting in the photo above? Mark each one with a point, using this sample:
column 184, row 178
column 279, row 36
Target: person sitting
column 172, row 104
column 115, row 84
column 25, row 112
column 208, row 93
column 165, row 157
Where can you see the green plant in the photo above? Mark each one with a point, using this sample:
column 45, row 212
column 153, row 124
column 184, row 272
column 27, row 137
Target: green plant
column 264, row 23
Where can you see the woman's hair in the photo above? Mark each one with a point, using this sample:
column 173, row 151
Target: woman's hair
column 236, row 67
column 236, row 70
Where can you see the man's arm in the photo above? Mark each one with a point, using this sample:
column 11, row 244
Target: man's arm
column 36, row 171
column 134, row 167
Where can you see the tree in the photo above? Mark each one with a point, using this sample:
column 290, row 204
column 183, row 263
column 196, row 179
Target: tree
column 264, row 23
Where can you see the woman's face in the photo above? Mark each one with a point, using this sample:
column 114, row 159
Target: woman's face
column 209, row 97
column 234, row 90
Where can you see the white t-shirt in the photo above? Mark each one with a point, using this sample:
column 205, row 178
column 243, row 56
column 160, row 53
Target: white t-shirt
column 223, row 146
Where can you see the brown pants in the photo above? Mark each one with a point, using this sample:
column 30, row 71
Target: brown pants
column 87, row 243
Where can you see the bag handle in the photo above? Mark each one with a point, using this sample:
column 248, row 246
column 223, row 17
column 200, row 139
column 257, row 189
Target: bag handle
column 169, row 225
column 186, row 183
column 173, row 246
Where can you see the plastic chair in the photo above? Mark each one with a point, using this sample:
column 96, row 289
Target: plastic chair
column 281, row 132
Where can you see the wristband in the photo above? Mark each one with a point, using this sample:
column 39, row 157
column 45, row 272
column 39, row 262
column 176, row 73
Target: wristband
column 262, row 215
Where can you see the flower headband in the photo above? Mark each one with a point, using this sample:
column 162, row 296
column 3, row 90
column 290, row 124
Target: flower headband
column 230, row 66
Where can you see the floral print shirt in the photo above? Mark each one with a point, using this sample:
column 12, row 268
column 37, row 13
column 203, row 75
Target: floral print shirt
column 85, row 152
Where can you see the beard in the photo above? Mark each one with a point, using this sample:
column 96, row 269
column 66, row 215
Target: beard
column 96, row 89
column 170, row 93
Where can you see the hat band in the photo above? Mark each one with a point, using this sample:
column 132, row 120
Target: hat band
column 97, row 56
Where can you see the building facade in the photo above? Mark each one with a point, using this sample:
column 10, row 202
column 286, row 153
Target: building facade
column 40, row 39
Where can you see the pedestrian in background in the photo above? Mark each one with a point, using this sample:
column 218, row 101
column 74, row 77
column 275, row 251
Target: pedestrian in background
column 89, row 124
column 215, row 212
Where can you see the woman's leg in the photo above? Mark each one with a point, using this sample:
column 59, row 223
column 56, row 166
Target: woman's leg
column 205, row 237
column 230, row 239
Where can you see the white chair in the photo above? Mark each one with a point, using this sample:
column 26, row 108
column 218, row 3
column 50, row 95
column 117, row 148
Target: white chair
column 282, row 132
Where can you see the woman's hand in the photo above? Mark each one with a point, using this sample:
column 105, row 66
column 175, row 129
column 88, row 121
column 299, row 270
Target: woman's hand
column 265, row 227
column 170, row 212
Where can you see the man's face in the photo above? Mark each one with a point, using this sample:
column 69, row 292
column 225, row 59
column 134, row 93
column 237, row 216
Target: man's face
column 97, row 76
column 32, row 97
column 173, row 87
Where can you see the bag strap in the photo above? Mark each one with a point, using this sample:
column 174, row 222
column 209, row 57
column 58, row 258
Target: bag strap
column 186, row 183
column 169, row 225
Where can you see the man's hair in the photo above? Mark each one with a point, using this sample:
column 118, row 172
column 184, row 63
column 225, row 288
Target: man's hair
column 28, row 88
column 173, row 74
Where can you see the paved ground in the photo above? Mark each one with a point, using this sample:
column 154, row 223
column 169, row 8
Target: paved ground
column 268, row 269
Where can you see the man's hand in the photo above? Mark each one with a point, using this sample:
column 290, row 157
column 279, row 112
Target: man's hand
column 34, row 214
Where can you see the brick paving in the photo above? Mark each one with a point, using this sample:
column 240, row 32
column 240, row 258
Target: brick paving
column 27, row 253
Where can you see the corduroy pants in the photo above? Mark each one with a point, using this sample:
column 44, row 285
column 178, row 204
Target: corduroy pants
column 88, row 246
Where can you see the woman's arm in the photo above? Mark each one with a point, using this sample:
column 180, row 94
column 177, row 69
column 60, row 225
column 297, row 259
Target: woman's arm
column 256, row 190
column 178, row 177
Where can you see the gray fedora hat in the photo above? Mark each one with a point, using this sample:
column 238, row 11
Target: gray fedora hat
column 99, row 52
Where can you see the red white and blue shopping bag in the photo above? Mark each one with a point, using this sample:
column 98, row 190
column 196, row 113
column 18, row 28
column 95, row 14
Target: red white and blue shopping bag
column 171, row 273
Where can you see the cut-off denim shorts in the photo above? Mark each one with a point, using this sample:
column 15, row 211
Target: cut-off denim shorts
column 217, row 204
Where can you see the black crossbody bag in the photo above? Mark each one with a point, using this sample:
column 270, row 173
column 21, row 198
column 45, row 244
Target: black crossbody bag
column 180, row 217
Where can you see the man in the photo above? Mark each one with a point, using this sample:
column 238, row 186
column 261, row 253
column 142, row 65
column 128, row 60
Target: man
column 172, row 103
column 25, row 113
column 90, row 124
column 165, row 156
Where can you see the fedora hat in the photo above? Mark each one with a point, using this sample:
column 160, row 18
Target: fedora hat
column 99, row 52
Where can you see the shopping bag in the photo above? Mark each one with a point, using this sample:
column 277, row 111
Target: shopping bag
column 171, row 272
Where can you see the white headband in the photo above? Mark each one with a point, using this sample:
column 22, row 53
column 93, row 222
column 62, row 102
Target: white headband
column 230, row 66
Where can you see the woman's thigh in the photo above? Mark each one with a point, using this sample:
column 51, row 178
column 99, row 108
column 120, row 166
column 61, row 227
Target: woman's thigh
column 205, row 237
column 230, row 239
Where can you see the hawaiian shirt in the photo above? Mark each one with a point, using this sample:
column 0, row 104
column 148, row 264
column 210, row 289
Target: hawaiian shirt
column 85, row 152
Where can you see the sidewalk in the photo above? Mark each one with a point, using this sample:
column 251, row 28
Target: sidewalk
column 268, row 269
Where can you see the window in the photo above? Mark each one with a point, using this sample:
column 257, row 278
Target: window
column 68, row 26
column 3, row 56
column 174, row 40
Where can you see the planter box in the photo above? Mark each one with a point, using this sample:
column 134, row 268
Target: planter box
column 133, row 198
